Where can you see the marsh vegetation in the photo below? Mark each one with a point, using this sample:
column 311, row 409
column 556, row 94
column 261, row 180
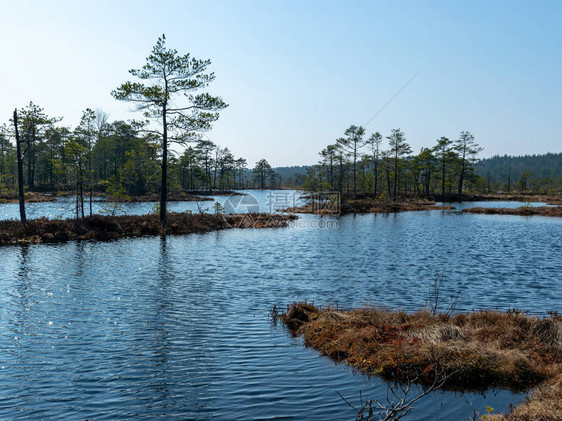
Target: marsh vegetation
column 473, row 351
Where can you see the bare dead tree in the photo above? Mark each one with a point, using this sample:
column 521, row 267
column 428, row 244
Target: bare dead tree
column 399, row 399
column 435, row 295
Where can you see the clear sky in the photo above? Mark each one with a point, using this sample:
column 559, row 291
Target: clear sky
column 296, row 74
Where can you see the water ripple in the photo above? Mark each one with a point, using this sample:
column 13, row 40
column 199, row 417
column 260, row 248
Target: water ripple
column 144, row 328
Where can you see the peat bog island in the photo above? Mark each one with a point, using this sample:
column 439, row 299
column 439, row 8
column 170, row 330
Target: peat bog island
column 308, row 211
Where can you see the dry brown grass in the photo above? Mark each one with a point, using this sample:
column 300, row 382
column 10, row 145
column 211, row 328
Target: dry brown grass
column 368, row 205
column 523, row 211
column 103, row 228
column 480, row 350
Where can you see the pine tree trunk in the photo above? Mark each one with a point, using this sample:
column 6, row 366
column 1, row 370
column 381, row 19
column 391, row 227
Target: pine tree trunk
column 395, row 173
column 388, row 181
column 21, row 196
column 443, row 181
column 164, row 186
column 376, row 178
column 461, row 180
column 355, row 172
column 81, row 187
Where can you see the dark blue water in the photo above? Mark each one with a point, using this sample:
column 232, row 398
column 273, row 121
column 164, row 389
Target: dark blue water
column 144, row 328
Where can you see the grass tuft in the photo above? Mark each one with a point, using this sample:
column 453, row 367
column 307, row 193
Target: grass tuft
column 478, row 350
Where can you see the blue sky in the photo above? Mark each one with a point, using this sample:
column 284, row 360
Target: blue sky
column 296, row 74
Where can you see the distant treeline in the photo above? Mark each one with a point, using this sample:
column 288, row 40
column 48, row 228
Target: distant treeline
column 293, row 176
column 529, row 173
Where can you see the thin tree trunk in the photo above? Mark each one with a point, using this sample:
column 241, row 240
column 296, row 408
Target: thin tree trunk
column 81, row 187
column 77, row 200
column 90, row 171
column 341, row 178
column 443, row 180
column 51, row 154
column 461, row 179
column 215, row 175
column 388, row 181
column 164, row 187
column 376, row 177
column 32, row 182
column 21, row 196
column 331, row 173
column 355, row 172
column 190, row 178
column 29, row 177
column 395, row 173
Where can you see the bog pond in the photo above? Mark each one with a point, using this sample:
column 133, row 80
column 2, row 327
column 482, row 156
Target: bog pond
column 180, row 327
